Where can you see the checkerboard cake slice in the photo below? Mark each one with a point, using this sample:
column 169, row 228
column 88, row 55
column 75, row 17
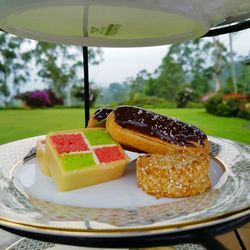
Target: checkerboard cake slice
column 41, row 157
column 83, row 157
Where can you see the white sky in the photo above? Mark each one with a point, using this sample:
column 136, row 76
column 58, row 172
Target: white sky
column 121, row 63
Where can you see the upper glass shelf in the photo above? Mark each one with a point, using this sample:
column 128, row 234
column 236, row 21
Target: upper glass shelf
column 117, row 23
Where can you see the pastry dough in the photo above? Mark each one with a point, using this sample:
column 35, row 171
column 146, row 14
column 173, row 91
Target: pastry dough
column 153, row 133
column 98, row 119
column 173, row 175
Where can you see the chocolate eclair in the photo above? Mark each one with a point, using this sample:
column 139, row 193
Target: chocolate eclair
column 98, row 119
column 178, row 161
column 154, row 133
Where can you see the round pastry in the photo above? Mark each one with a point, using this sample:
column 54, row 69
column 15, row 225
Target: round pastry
column 154, row 133
column 98, row 119
column 173, row 175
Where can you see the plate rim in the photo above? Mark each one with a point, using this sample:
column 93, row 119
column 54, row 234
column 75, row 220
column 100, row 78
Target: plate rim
column 132, row 232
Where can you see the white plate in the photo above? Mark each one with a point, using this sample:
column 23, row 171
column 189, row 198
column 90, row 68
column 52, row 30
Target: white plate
column 120, row 193
column 119, row 207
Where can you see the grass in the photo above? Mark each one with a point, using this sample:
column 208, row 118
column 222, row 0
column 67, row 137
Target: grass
column 227, row 127
column 18, row 124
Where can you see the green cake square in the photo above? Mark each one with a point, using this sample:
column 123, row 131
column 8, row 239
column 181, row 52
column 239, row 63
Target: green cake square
column 77, row 161
column 98, row 137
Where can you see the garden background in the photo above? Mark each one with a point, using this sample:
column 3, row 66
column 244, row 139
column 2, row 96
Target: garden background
column 203, row 82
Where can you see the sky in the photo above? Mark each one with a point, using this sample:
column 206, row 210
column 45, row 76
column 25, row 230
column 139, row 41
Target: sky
column 122, row 63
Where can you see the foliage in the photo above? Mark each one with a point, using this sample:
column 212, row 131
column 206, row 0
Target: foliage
column 193, row 63
column 195, row 105
column 193, row 57
column 227, row 105
column 236, row 96
column 137, row 84
column 13, row 66
column 219, row 55
column 114, row 93
column 229, row 88
column 170, row 78
column 60, row 66
column 212, row 103
column 244, row 79
column 40, row 98
column 148, row 101
column 207, row 96
column 200, row 59
column 184, row 96
column 198, row 64
column 78, row 93
column 245, row 110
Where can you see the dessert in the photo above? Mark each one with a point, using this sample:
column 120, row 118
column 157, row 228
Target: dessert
column 83, row 157
column 178, row 163
column 154, row 133
column 41, row 157
column 98, row 119
column 173, row 175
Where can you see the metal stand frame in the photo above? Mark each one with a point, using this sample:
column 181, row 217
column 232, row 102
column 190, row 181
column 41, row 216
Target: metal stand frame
column 221, row 30
column 86, row 83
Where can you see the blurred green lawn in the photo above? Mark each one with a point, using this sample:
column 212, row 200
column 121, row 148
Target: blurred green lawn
column 18, row 124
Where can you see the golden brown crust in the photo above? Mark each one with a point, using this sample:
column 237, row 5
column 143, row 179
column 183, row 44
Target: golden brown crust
column 147, row 143
column 98, row 119
column 173, row 175
column 94, row 123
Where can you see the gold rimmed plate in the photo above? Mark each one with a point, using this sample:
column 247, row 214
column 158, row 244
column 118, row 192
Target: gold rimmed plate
column 29, row 201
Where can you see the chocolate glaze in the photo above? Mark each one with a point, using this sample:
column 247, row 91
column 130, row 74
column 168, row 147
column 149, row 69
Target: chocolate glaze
column 159, row 126
column 102, row 113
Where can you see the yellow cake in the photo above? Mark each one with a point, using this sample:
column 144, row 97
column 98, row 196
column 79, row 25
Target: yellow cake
column 83, row 157
column 41, row 157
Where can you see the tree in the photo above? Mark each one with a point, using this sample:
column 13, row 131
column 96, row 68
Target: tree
column 117, row 92
column 60, row 66
column 233, row 69
column 14, row 69
column 192, row 56
column 244, row 79
column 196, row 65
column 138, row 84
column 192, row 64
column 78, row 93
column 201, row 60
column 219, row 59
column 167, row 80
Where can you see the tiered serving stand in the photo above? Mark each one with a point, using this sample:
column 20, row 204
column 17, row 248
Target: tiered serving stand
column 124, row 23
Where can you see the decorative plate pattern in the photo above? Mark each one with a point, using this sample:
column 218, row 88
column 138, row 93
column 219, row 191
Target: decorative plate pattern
column 30, row 244
column 230, row 198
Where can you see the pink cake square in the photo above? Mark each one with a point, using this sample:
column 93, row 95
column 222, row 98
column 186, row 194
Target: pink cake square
column 109, row 154
column 67, row 143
